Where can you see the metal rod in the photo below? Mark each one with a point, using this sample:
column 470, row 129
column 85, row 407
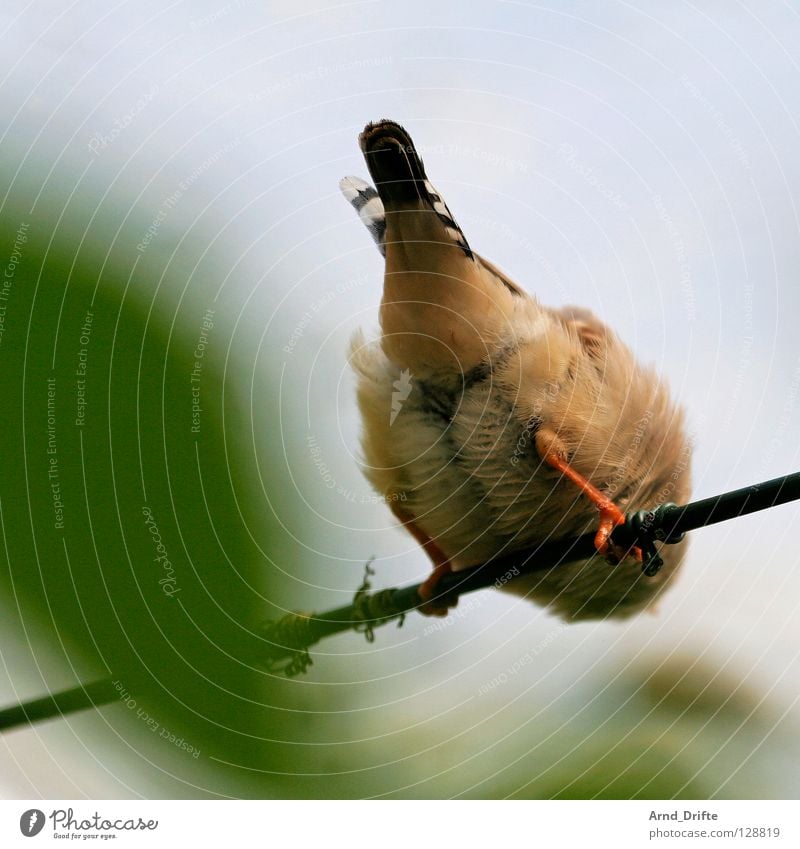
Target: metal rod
column 58, row 704
column 669, row 522
column 501, row 569
column 730, row 505
column 288, row 639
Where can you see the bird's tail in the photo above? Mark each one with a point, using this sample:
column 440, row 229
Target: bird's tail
column 369, row 206
column 393, row 162
column 399, row 175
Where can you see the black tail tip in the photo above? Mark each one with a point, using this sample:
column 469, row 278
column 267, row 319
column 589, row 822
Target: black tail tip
column 393, row 162
column 384, row 132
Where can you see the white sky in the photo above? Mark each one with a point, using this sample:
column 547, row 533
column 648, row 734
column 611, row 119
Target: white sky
column 529, row 117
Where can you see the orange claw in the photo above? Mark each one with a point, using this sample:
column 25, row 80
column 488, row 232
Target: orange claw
column 610, row 517
column 427, row 592
column 441, row 566
column 551, row 450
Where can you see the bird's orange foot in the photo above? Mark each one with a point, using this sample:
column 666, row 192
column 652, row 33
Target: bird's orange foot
column 610, row 517
column 552, row 450
column 433, row 604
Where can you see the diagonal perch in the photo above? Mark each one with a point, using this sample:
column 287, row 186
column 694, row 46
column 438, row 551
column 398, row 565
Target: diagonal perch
column 288, row 639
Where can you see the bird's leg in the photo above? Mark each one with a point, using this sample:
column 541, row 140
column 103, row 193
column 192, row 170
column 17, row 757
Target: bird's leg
column 431, row 606
column 553, row 452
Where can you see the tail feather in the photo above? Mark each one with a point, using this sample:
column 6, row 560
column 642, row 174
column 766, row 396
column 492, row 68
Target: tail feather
column 393, row 163
column 400, row 178
column 369, row 206
column 442, row 309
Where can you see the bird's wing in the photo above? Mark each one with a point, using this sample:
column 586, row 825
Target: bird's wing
column 502, row 277
column 364, row 199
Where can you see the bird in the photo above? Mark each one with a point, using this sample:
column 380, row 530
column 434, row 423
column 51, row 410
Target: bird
column 491, row 422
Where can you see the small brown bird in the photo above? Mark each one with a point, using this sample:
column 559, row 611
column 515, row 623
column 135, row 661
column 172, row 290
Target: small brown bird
column 493, row 423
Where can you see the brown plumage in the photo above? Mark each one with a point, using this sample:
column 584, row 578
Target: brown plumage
column 477, row 397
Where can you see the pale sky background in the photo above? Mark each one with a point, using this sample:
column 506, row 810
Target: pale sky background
column 636, row 158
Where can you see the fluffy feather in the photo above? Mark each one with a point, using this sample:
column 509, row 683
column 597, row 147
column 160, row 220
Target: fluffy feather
column 368, row 205
column 490, row 367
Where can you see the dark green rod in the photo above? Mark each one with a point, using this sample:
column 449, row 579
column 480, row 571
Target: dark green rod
column 730, row 505
column 58, row 704
column 392, row 603
column 287, row 640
